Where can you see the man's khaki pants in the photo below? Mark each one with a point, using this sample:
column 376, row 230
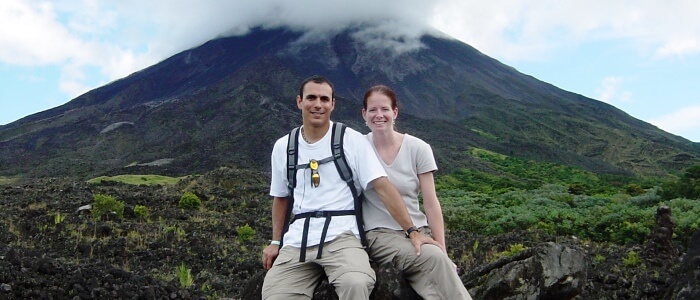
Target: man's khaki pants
column 343, row 259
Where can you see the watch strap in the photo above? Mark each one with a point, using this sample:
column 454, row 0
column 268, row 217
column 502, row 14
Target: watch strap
column 409, row 230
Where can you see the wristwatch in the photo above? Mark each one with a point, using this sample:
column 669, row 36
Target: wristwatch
column 409, row 230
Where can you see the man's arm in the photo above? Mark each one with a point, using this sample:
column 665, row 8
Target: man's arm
column 279, row 209
column 394, row 204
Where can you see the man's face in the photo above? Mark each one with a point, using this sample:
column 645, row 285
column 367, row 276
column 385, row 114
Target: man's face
column 316, row 104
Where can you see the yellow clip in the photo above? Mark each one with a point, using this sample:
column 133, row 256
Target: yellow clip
column 315, row 177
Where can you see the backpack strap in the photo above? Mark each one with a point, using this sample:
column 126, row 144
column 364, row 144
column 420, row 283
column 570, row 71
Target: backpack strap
column 343, row 168
column 341, row 163
column 292, row 146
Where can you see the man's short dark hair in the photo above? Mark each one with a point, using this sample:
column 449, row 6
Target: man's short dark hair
column 319, row 80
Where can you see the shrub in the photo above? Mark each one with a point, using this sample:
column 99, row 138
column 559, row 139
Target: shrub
column 599, row 258
column 185, row 276
column 578, row 189
column 141, row 212
column 512, row 250
column 245, row 232
column 105, row 204
column 632, row 259
column 189, row 201
column 633, row 189
column 58, row 218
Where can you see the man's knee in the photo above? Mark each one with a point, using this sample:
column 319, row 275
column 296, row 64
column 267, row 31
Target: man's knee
column 353, row 280
column 286, row 297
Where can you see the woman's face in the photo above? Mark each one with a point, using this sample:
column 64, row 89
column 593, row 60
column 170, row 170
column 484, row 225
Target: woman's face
column 379, row 114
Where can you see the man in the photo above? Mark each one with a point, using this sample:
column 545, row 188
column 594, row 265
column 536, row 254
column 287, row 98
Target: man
column 315, row 243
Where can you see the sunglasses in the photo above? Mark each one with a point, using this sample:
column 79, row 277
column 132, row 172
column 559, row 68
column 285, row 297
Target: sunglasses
column 315, row 177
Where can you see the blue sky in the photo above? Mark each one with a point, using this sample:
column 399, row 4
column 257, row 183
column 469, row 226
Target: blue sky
column 641, row 56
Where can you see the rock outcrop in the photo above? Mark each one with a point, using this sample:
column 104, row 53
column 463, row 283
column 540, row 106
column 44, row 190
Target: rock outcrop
column 548, row 271
column 659, row 249
column 687, row 283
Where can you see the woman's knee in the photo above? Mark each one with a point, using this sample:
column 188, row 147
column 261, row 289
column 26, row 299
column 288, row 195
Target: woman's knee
column 432, row 257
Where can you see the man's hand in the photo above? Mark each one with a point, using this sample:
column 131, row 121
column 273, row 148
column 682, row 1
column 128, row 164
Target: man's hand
column 269, row 255
column 418, row 239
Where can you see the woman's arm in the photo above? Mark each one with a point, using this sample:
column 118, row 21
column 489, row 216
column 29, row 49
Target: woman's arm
column 432, row 207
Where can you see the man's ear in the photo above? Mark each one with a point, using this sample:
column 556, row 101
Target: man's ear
column 299, row 102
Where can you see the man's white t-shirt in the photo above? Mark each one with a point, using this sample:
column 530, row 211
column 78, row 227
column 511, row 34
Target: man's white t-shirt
column 332, row 193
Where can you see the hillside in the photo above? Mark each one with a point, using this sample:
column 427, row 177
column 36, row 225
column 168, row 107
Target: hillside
column 226, row 101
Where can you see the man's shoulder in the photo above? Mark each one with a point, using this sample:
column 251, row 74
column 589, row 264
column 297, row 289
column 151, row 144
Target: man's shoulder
column 282, row 142
column 352, row 133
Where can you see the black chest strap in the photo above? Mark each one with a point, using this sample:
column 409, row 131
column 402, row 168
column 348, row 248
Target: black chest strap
column 343, row 168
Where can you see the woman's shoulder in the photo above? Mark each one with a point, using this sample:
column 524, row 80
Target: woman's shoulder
column 415, row 141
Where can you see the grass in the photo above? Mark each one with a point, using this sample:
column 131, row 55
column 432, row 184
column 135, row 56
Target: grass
column 137, row 179
column 7, row 180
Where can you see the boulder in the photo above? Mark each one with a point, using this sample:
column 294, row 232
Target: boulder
column 686, row 282
column 548, row 271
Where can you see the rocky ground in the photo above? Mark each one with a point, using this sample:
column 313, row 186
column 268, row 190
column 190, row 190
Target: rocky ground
column 49, row 249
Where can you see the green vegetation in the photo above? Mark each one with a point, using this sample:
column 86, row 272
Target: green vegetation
column 245, row 232
column 619, row 218
column 485, row 134
column 521, row 174
column 105, row 204
column 58, row 218
column 185, row 276
column 6, row 180
column 141, row 212
column 688, row 186
column 599, row 258
column 136, row 179
column 632, row 260
column 562, row 200
column 512, row 250
column 177, row 231
column 189, row 201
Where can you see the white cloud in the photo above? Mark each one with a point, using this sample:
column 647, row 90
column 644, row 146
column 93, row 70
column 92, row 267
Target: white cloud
column 523, row 30
column 70, row 81
column 682, row 119
column 679, row 47
column 610, row 91
column 120, row 37
column 30, row 34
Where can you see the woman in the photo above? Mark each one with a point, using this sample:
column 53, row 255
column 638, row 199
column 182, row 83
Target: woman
column 409, row 164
